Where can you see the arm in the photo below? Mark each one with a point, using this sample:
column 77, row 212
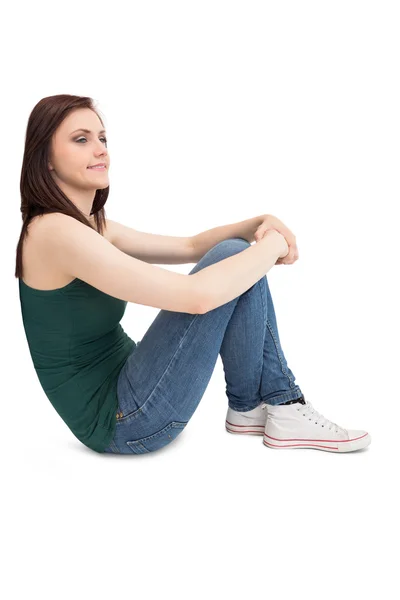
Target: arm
column 151, row 247
column 204, row 241
column 79, row 251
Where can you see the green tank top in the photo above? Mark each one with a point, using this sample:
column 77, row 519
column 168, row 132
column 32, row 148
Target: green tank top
column 78, row 348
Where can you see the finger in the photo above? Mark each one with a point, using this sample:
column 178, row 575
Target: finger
column 289, row 258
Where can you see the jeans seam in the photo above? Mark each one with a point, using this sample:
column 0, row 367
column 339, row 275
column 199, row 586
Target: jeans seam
column 167, row 427
column 129, row 442
column 263, row 302
column 291, row 383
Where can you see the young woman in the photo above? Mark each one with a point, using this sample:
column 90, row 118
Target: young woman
column 77, row 271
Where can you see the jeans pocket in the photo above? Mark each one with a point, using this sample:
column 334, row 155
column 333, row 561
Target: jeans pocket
column 159, row 439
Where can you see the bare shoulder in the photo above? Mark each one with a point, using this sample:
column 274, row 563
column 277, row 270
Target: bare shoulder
column 40, row 268
column 43, row 223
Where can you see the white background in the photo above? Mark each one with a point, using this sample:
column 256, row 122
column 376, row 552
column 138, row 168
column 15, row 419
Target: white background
column 218, row 111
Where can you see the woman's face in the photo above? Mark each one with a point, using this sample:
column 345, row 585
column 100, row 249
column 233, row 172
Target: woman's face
column 72, row 152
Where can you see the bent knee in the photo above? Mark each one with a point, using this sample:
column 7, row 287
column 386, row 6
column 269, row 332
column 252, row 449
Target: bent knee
column 233, row 242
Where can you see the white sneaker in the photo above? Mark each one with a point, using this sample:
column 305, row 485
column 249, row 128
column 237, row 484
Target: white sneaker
column 251, row 422
column 301, row 426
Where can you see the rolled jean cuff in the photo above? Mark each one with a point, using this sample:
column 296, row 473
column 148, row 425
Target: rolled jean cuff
column 292, row 394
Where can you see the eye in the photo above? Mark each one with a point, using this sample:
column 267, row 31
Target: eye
column 83, row 138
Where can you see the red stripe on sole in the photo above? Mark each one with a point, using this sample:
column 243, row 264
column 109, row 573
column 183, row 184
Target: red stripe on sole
column 298, row 445
column 258, row 431
column 311, row 440
column 236, row 425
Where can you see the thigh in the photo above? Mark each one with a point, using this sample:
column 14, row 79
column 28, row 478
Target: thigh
column 165, row 377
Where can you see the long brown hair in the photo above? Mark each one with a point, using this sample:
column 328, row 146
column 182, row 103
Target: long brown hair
column 39, row 192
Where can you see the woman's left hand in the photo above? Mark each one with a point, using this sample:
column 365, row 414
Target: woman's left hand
column 271, row 222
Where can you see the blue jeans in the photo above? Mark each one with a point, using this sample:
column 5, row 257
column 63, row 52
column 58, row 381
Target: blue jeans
column 164, row 378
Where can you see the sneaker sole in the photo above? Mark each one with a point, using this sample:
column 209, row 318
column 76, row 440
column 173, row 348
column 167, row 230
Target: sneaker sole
column 245, row 429
column 327, row 445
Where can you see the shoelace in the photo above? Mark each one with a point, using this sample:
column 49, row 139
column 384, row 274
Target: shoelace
column 310, row 412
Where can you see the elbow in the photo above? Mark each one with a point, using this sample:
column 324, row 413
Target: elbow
column 204, row 306
column 198, row 310
column 200, row 306
column 201, row 300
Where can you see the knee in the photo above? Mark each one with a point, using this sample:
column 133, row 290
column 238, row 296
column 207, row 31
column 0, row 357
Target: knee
column 220, row 251
column 233, row 245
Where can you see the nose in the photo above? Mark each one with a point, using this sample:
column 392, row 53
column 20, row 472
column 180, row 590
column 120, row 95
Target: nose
column 102, row 149
column 102, row 153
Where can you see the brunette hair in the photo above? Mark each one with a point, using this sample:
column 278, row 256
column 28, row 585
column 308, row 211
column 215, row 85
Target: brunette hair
column 39, row 192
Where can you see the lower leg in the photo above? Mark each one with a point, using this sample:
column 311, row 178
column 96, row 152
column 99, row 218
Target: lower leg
column 277, row 384
column 255, row 367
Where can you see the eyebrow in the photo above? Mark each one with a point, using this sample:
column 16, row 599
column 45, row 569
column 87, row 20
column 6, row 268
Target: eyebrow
column 87, row 130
